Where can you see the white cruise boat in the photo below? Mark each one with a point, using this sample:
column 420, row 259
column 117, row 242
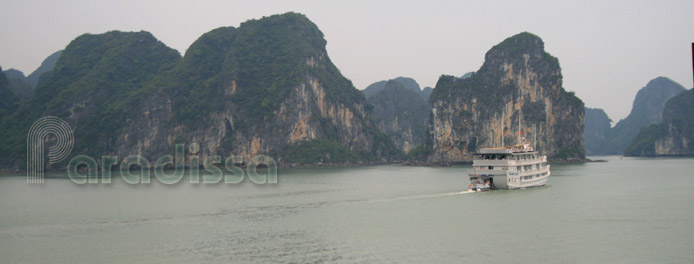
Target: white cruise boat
column 512, row 167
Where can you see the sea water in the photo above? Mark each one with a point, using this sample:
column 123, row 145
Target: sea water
column 625, row 210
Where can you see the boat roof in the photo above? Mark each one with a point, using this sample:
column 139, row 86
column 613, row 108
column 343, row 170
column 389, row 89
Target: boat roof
column 520, row 148
column 507, row 147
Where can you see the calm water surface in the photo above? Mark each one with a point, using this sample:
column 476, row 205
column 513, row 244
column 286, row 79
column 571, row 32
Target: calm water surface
column 622, row 211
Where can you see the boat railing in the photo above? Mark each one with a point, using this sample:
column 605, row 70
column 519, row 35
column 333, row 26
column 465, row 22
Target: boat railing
column 496, row 162
column 531, row 161
column 529, row 172
column 508, row 162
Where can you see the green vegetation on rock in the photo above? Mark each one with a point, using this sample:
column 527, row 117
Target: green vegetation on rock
column 644, row 143
column 406, row 82
column 647, row 110
column 597, row 127
column 265, row 87
column 401, row 113
column 325, row 151
column 23, row 86
column 7, row 98
column 518, row 71
column 673, row 136
column 89, row 88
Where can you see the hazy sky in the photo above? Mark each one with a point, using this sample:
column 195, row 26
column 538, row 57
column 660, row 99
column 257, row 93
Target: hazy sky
column 607, row 49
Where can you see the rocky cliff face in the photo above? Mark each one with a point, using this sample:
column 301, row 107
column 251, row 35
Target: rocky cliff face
column 673, row 136
column 267, row 87
column 597, row 127
column 647, row 110
column 483, row 110
column 401, row 113
column 89, row 88
column 677, row 137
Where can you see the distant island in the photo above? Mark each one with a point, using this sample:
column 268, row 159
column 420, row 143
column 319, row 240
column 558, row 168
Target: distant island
column 674, row 136
column 660, row 124
column 269, row 87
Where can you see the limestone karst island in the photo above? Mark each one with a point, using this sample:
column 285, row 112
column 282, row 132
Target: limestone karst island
column 346, row 132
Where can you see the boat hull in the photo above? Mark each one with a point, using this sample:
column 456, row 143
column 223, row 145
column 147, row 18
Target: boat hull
column 500, row 179
column 535, row 182
column 513, row 167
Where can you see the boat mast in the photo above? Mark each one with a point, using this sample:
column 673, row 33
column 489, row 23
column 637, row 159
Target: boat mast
column 520, row 112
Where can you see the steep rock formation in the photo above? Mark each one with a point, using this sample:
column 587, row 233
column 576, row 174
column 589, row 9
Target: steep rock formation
column 401, row 114
column 18, row 84
column 48, row 64
column 266, row 87
column 14, row 74
column 7, row 98
column 406, row 82
column 426, row 93
column 647, row 110
column 673, row 136
column 476, row 112
column 89, row 88
column 23, row 86
column 597, row 127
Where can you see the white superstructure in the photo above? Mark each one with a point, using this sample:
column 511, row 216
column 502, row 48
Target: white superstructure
column 512, row 167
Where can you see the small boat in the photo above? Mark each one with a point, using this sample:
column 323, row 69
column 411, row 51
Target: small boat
column 479, row 187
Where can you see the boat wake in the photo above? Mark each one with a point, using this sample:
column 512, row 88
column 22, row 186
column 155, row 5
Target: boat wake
column 424, row 196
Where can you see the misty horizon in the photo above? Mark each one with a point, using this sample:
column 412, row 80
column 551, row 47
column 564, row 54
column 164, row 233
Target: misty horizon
column 386, row 40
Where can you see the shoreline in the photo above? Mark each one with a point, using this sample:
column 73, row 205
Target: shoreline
column 346, row 165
